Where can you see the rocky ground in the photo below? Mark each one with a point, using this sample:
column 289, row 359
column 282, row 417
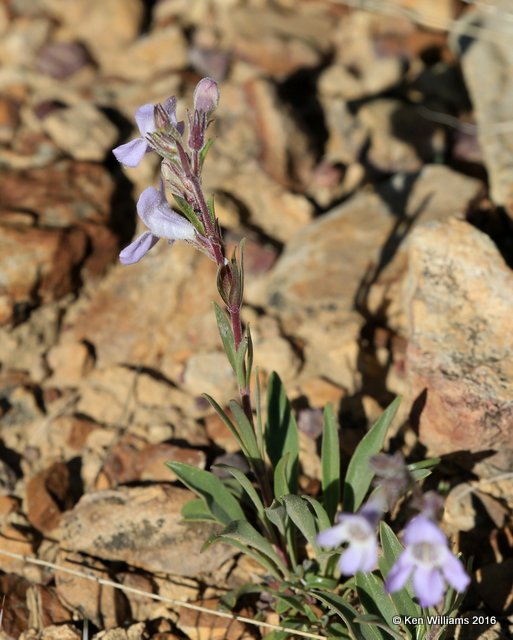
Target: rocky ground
column 368, row 159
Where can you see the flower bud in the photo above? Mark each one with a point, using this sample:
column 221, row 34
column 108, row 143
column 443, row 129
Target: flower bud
column 206, row 96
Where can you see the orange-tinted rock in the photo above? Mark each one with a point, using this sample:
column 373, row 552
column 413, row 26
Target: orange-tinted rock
column 15, row 612
column 143, row 527
column 458, row 297
column 47, row 496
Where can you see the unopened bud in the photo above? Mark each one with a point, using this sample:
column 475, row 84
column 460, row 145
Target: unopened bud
column 206, row 96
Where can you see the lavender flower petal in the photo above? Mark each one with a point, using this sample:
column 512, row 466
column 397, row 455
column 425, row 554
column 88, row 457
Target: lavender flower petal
column 428, row 585
column 160, row 219
column 454, row 573
column 421, row 529
column 206, row 96
column 131, row 153
column 138, row 249
column 399, row 573
column 144, row 116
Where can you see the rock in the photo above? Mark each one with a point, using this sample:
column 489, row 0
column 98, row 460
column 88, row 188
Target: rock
column 142, row 527
column 276, row 354
column 15, row 614
column 315, row 282
column 319, row 392
column 205, row 626
column 359, row 70
column 61, row 59
column 162, row 303
column 263, row 198
column 69, row 363
column 416, row 198
column 7, row 478
column 82, row 131
column 159, row 52
column 458, row 294
column 277, row 42
column 25, row 36
column 45, row 607
column 134, row 632
column 39, row 264
column 103, row 605
column 487, row 64
column 53, row 632
column 47, row 496
column 112, row 25
column 132, row 459
column 400, row 138
column 210, row 373
column 9, row 119
column 15, row 541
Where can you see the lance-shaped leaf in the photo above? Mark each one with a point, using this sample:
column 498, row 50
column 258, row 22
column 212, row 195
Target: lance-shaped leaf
column 223, row 506
column 376, row 602
column 246, row 432
column 281, row 434
column 226, row 333
column 243, row 533
column 359, row 474
column 330, row 459
column 301, row 516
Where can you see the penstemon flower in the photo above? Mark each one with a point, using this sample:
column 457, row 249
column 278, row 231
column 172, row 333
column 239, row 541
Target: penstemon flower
column 162, row 222
column 429, row 561
column 131, row 153
column 358, row 530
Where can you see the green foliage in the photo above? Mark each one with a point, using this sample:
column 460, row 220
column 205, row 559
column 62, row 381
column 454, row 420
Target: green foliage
column 330, row 460
column 359, row 475
column 281, row 433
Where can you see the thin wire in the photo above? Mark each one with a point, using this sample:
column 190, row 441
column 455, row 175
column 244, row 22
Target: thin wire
column 154, row 596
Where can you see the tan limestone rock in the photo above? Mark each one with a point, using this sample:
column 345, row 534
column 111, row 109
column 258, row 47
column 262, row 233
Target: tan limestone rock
column 82, row 131
column 458, row 294
column 143, row 527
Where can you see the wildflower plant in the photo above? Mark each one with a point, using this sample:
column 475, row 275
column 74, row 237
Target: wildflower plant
column 341, row 574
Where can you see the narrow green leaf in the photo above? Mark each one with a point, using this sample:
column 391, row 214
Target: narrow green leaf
column 246, row 431
column 211, row 209
column 376, row 602
column 227, row 421
column 245, row 534
column 359, row 474
column 240, row 362
column 204, row 151
column 258, row 406
column 281, row 434
column 281, row 478
column 245, row 483
column 248, row 551
column 222, row 504
column 226, row 333
column 330, row 459
column 190, row 214
column 249, row 360
column 377, row 628
column 323, row 521
column 196, row 510
column 277, row 515
column 341, row 608
column 301, row 516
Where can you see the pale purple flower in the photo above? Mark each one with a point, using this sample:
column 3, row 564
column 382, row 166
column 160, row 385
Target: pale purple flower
column 206, row 96
column 358, row 531
column 162, row 222
column 429, row 561
column 205, row 99
column 131, row 153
